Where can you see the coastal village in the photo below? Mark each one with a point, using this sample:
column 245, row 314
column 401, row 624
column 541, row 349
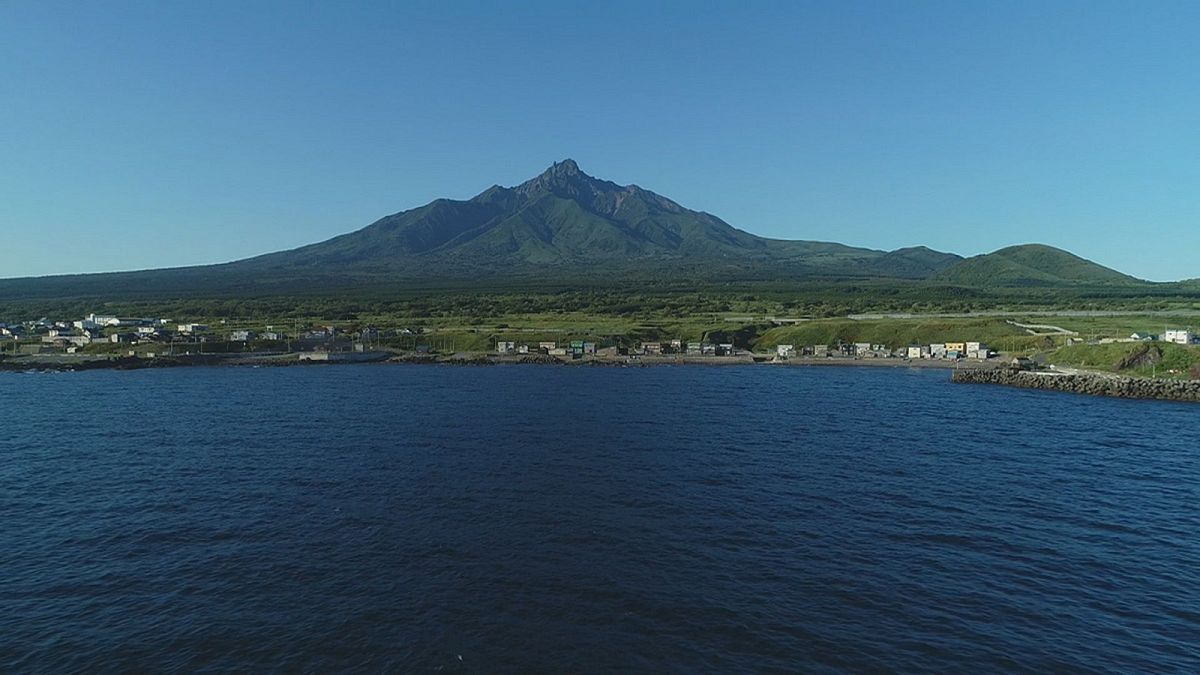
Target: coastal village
column 157, row 337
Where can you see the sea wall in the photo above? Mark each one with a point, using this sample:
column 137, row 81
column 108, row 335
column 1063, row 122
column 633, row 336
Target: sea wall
column 1094, row 385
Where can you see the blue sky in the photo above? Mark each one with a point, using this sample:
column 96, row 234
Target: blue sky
column 154, row 134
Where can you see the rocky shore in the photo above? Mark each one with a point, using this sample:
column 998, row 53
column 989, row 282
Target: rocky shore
column 1094, row 385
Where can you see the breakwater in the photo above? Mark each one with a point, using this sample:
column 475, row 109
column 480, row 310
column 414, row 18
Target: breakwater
column 1094, row 385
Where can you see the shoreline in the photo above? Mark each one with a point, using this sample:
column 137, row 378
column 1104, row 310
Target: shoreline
column 994, row 372
column 72, row 363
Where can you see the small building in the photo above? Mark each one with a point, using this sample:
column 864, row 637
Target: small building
column 192, row 328
column 274, row 336
column 652, row 348
column 241, row 336
column 821, row 351
column 588, row 349
column 694, row 349
column 960, row 347
column 63, row 341
column 978, row 350
column 913, row 352
column 785, row 351
column 1023, row 363
column 937, row 350
column 98, row 321
column 1179, row 336
column 725, row 349
column 522, row 349
column 505, row 347
column 862, row 348
column 558, row 351
column 547, row 347
column 121, row 338
column 1143, row 337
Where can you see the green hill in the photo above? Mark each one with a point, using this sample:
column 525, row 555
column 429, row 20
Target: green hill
column 1030, row 265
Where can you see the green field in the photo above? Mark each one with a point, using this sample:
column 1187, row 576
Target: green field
column 1139, row 358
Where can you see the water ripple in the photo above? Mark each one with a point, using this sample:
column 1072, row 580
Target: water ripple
column 379, row 519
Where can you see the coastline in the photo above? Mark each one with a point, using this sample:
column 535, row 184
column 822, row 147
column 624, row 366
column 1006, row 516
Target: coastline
column 71, row 363
column 991, row 372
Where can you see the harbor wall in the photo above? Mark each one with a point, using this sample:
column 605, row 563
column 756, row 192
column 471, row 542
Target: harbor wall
column 1117, row 386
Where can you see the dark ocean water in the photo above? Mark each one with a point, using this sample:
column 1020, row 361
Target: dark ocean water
column 539, row 519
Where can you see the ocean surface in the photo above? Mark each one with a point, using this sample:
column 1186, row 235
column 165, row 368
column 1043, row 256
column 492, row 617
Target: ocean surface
column 552, row 519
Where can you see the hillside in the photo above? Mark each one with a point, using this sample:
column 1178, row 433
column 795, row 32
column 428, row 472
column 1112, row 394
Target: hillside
column 565, row 229
column 1030, row 265
column 565, row 219
column 562, row 226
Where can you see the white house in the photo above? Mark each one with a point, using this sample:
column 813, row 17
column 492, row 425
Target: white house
column 503, row 347
column 1179, row 337
column 914, row 352
column 785, row 351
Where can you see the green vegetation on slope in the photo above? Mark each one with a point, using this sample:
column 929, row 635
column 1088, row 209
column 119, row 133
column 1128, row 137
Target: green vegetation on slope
column 1031, row 265
column 1131, row 358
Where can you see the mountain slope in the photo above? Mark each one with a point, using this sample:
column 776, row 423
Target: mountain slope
column 566, row 228
column 565, row 219
column 1031, row 265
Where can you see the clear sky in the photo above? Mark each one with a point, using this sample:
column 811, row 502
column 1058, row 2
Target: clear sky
column 164, row 133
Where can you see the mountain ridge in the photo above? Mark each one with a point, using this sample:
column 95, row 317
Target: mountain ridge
column 564, row 217
column 565, row 224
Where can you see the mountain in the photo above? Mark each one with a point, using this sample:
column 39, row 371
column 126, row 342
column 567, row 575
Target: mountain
column 565, row 219
column 565, row 227
column 1030, row 265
